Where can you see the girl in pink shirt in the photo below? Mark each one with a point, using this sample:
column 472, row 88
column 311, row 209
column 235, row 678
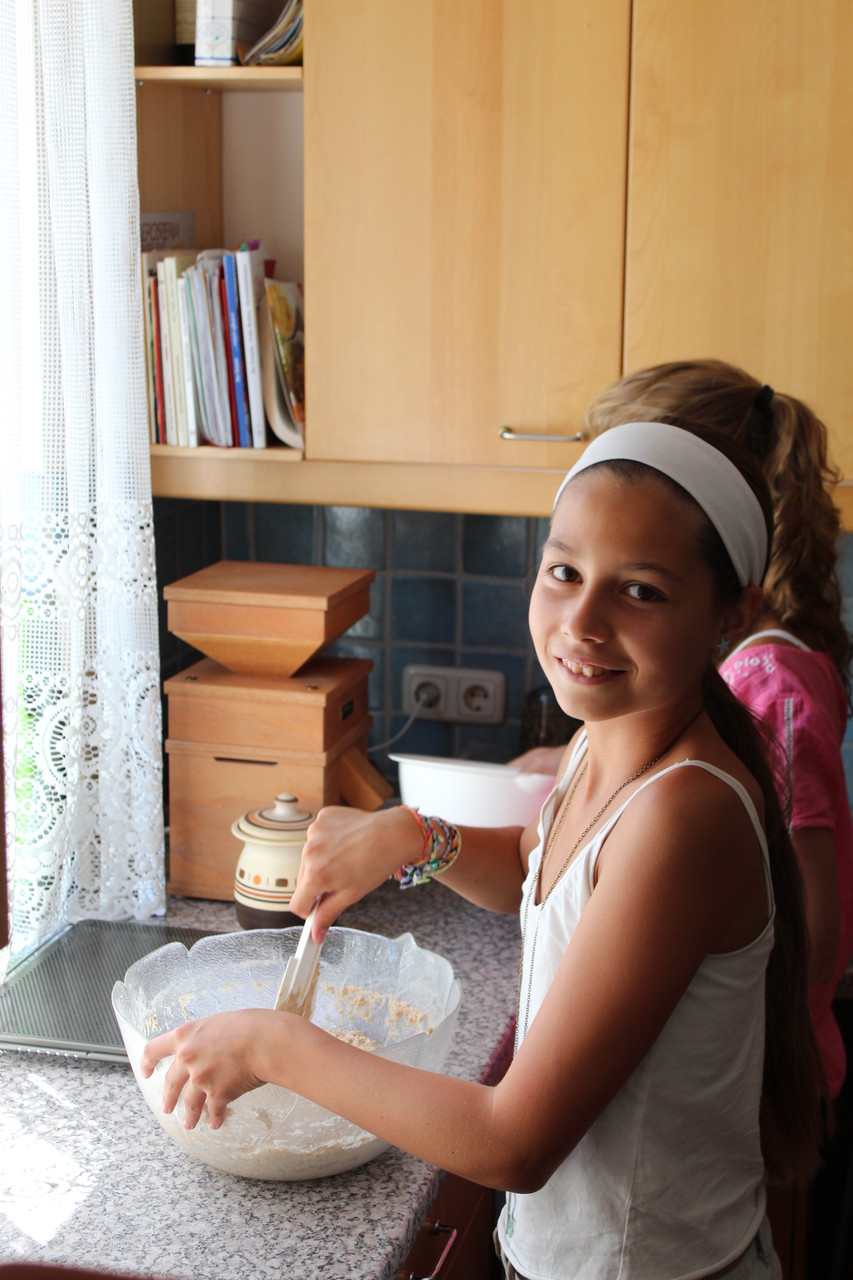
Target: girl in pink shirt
column 798, row 693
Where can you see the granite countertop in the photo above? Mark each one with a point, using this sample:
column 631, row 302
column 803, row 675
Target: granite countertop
column 88, row 1178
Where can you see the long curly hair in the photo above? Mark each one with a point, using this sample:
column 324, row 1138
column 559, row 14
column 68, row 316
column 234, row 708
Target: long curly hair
column 801, row 586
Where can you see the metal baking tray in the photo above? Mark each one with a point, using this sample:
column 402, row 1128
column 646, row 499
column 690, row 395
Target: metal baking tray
column 58, row 999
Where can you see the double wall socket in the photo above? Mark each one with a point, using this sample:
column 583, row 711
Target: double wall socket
column 458, row 694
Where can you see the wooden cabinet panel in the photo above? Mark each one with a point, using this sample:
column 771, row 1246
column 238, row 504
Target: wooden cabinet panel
column 467, row 267
column 455, row 1243
column 464, row 224
column 179, row 149
column 740, row 214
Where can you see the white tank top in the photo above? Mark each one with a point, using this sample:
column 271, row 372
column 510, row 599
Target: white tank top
column 667, row 1184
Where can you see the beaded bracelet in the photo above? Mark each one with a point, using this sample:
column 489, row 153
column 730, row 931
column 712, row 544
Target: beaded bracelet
column 442, row 843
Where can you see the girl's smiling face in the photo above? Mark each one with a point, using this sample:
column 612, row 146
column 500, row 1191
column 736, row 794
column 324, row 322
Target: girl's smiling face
column 624, row 613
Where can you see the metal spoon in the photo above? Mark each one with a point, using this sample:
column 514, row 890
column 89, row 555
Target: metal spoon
column 298, row 989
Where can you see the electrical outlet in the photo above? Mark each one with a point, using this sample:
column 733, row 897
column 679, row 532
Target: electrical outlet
column 457, row 694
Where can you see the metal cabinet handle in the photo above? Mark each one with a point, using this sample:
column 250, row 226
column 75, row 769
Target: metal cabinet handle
column 435, row 1229
column 510, row 433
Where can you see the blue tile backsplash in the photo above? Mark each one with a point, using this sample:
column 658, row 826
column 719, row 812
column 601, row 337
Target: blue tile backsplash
column 450, row 590
column 424, row 540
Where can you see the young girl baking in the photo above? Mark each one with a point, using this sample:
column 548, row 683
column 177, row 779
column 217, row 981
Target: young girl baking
column 793, row 669
column 660, row 913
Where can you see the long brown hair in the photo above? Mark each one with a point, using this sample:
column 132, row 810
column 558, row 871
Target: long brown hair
column 801, row 586
column 793, row 1084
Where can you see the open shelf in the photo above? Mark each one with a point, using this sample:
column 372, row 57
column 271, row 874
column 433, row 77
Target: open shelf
column 277, row 474
column 224, row 79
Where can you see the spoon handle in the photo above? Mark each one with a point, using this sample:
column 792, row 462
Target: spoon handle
column 299, row 975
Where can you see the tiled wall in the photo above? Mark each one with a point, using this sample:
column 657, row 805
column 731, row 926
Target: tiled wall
column 450, row 590
column 187, row 536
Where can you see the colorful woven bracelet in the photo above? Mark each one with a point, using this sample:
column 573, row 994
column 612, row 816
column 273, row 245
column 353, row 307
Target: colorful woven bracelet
column 442, row 843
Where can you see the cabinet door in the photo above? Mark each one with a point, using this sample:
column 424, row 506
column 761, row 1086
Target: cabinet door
column 464, row 224
column 740, row 213
column 455, row 1243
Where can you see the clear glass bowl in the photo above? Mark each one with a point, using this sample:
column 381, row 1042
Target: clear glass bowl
column 396, row 994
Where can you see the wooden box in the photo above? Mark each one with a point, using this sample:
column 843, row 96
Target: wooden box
column 211, row 785
column 311, row 711
column 265, row 619
column 236, row 741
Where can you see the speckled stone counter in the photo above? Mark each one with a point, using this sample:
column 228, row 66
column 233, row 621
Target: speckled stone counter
column 88, row 1178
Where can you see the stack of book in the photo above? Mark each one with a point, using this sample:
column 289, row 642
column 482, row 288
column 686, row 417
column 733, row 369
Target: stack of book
column 281, row 46
column 223, row 27
column 283, row 360
column 207, row 380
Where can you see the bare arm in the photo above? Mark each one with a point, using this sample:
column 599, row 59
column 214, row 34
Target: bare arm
column 349, row 852
column 671, row 889
column 815, row 850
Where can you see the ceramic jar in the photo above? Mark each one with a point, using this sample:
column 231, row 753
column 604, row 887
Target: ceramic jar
column 266, row 871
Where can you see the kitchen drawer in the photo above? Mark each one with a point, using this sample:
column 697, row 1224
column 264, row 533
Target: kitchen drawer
column 211, row 785
column 312, row 711
column 455, row 1242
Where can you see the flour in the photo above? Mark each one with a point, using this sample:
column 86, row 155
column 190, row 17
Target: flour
column 355, row 1004
column 302, row 1006
column 357, row 1038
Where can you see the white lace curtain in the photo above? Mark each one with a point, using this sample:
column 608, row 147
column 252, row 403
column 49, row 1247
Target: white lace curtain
column 78, row 594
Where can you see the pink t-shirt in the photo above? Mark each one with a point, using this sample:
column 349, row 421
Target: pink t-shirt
column 798, row 693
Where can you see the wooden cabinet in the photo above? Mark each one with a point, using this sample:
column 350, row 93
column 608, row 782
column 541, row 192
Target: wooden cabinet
column 740, row 210
column 455, row 1242
column 464, row 224
column 495, row 229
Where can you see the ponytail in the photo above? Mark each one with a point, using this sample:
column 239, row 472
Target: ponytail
column 789, row 442
column 794, row 1083
column 801, row 587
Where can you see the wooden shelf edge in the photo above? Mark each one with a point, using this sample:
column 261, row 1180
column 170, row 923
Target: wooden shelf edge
column 224, row 79
column 269, row 475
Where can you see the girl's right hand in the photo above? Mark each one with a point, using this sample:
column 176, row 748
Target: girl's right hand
column 347, row 853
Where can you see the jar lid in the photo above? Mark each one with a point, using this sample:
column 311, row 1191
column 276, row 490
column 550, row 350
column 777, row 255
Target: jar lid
column 283, row 816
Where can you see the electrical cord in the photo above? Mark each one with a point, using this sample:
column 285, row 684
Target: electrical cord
column 420, row 703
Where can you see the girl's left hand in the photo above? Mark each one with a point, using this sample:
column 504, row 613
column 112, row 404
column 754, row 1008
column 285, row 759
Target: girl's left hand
column 214, row 1062
column 539, row 760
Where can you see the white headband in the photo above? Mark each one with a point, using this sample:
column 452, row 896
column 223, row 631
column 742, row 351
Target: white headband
column 706, row 474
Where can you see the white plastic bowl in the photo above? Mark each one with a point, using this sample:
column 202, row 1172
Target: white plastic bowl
column 390, row 990
column 472, row 793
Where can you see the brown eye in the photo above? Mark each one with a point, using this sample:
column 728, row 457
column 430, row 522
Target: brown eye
column 643, row 592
